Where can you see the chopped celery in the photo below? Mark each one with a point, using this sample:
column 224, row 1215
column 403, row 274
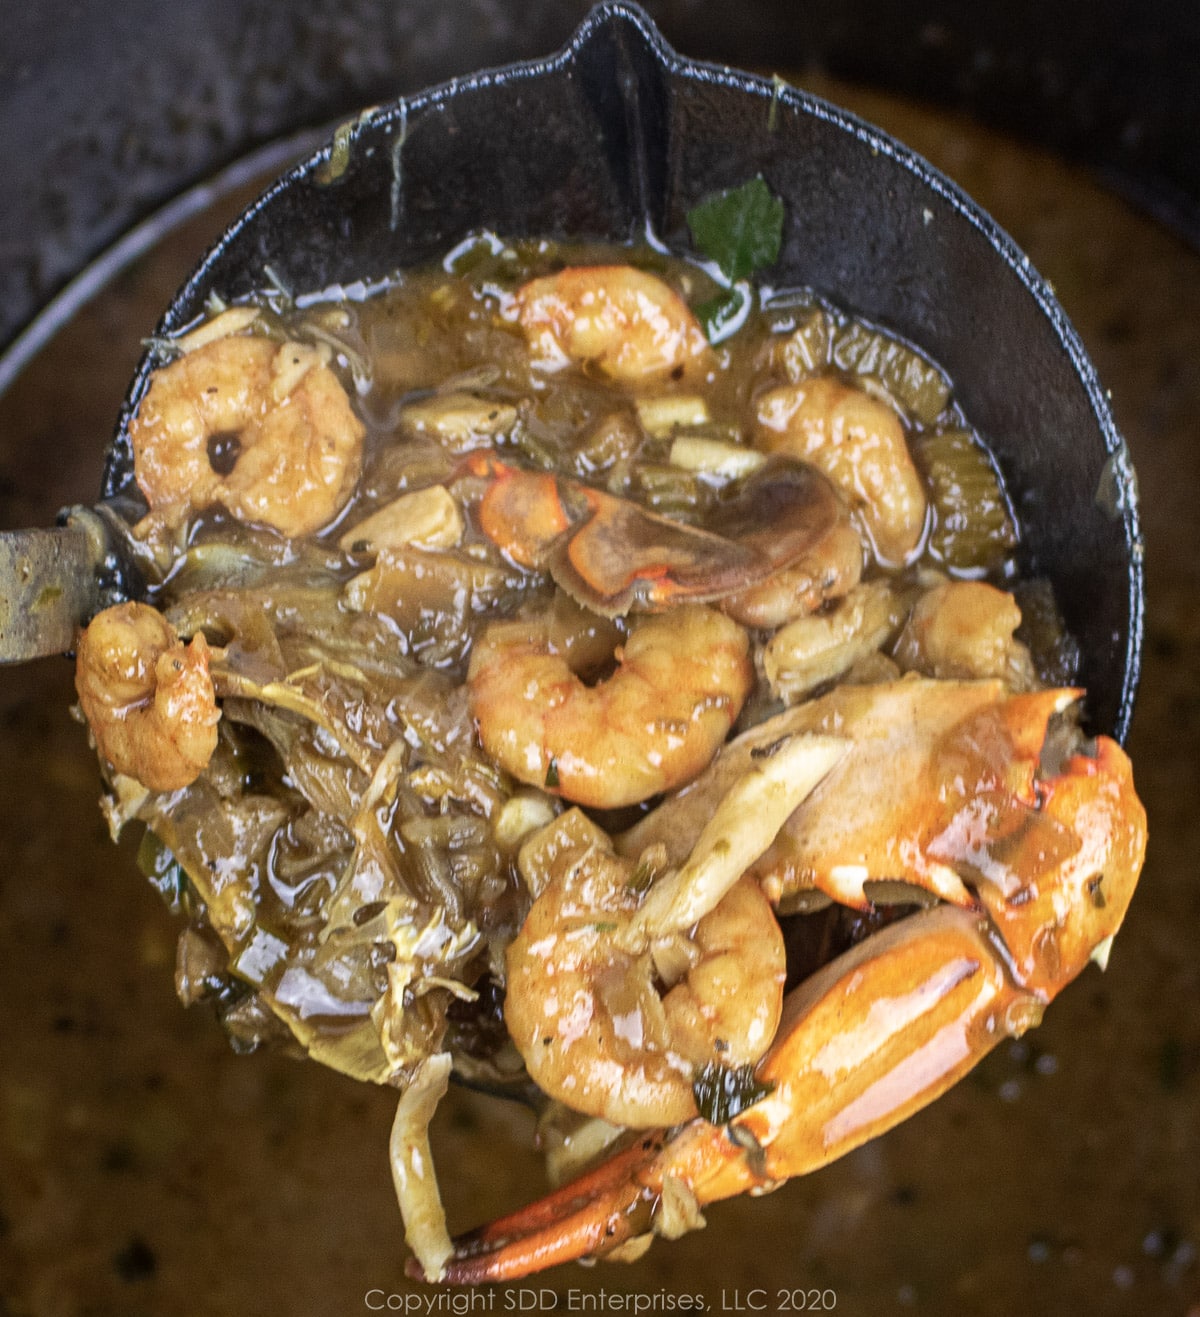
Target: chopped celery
column 918, row 386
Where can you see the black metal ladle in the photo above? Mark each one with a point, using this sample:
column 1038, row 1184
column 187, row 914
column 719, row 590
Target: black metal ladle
column 615, row 133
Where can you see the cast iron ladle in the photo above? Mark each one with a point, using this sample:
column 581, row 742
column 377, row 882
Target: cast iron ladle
column 616, row 133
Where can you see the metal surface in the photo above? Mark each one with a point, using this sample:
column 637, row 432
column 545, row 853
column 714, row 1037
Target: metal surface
column 50, row 581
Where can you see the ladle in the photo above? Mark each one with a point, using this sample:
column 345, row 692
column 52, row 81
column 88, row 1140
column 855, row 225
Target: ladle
column 617, row 133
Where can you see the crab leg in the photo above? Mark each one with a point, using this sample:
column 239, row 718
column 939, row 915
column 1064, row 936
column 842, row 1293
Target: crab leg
column 595, row 1212
column 872, row 1037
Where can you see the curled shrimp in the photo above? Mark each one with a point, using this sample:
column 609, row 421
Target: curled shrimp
column 616, row 1025
column 656, row 723
column 263, row 428
column 147, row 696
column 965, row 629
column 858, row 442
column 631, row 326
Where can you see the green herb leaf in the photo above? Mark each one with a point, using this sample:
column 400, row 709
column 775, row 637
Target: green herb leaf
column 741, row 229
column 722, row 1092
column 720, row 316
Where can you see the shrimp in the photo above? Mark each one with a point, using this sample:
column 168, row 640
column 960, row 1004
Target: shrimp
column 681, row 680
column 858, row 442
column 147, row 696
column 964, row 629
column 823, row 647
column 266, row 430
column 585, row 1010
column 606, row 936
column 631, row 326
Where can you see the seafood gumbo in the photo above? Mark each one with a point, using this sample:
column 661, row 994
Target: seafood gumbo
column 579, row 670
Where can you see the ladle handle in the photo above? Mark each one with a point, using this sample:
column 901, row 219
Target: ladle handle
column 51, row 583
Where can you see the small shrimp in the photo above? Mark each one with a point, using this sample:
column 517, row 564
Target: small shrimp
column 813, row 650
column 583, row 1002
column 966, row 629
column 681, row 680
column 858, row 442
column 631, row 326
column 147, row 697
column 267, row 430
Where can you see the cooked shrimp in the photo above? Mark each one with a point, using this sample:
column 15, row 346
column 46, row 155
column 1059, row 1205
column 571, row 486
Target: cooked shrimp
column 964, row 629
column 631, row 326
column 266, row 430
column 583, row 1002
column 147, row 696
column 681, row 680
column 858, row 442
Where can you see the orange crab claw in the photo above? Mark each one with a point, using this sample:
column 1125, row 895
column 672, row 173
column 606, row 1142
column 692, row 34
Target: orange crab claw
column 1058, row 879
column 878, row 1033
column 592, row 1215
column 945, row 790
column 872, row 817
column 613, row 555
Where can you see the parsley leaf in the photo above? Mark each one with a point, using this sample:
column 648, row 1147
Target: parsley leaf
column 724, row 314
column 722, row 1092
column 740, row 229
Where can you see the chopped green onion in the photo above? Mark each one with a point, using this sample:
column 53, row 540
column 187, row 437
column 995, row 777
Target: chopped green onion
column 722, row 1092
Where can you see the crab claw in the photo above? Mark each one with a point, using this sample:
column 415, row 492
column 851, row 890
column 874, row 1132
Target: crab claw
column 612, row 555
column 873, row 816
column 1057, row 860
column 876, row 1034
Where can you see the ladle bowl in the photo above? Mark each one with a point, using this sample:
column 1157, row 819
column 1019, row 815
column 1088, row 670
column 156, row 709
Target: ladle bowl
column 617, row 134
